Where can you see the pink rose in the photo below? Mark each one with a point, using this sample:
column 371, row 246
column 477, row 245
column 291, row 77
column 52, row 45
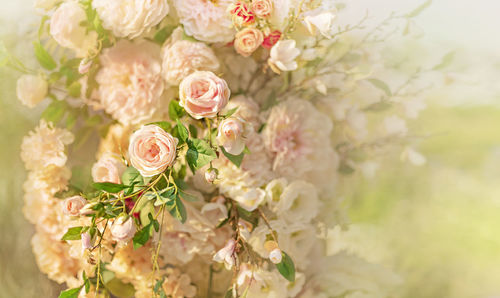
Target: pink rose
column 262, row 8
column 72, row 205
column 242, row 15
column 247, row 41
column 230, row 136
column 109, row 168
column 152, row 150
column 203, row 94
column 123, row 229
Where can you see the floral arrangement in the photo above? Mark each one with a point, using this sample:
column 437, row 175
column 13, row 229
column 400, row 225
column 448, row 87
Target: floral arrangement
column 193, row 148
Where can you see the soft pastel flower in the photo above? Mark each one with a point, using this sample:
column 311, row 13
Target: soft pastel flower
column 184, row 57
column 230, row 135
column 413, row 156
column 275, row 256
column 274, row 189
column 251, row 199
column 45, row 4
column 283, row 55
column 262, row 8
column 86, row 241
column 88, row 208
column 247, row 41
column 31, row 90
column 271, row 39
column 123, row 229
column 130, row 81
column 246, row 109
column 210, row 175
column 84, row 66
column 203, row 94
column 207, row 21
column 73, row 205
column 152, row 150
column 109, row 168
column 320, row 20
column 130, row 18
column 216, row 211
column 66, row 28
column 298, row 202
column 226, row 254
column 242, row 15
column 45, row 147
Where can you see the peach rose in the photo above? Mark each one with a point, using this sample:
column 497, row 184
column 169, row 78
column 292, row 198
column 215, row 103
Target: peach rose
column 247, row 41
column 72, row 205
column 109, row 168
column 31, row 90
column 123, row 229
column 241, row 13
column 203, row 94
column 262, row 8
column 152, row 150
column 230, row 135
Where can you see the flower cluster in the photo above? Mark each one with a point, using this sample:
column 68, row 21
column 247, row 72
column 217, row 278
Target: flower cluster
column 210, row 138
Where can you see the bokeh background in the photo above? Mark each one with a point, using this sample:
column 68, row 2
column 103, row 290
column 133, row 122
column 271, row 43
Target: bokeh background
column 435, row 225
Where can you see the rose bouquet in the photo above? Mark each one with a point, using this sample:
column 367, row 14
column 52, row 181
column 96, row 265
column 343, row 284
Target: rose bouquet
column 192, row 148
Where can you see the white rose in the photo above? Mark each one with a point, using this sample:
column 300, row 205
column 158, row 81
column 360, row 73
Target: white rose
column 298, row 203
column 184, row 57
column 206, row 20
column 31, row 90
column 66, row 29
column 274, row 189
column 130, row 18
column 320, row 20
column 283, row 55
column 109, row 168
column 123, row 229
column 152, row 150
column 230, row 135
column 73, row 205
column 251, row 199
column 203, row 94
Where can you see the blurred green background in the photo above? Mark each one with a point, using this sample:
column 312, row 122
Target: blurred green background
column 435, row 225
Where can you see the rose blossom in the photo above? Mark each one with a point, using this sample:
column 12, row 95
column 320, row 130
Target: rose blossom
column 109, row 168
column 262, row 8
column 207, row 21
column 66, row 29
column 123, row 229
column 203, row 94
column 152, row 150
column 271, row 39
column 226, row 254
column 247, row 41
column 130, row 18
column 242, row 15
column 31, row 90
column 283, row 55
column 73, row 205
column 230, row 135
column 184, row 57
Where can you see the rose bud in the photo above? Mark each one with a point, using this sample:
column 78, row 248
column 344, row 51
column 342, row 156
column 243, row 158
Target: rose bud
column 230, row 135
column 211, row 175
column 73, row 205
column 152, row 150
column 88, row 209
column 203, row 94
column 226, row 254
column 123, row 229
column 86, row 241
column 275, row 256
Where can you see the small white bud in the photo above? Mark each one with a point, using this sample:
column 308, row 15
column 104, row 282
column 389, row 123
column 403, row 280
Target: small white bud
column 210, row 175
column 275, row 256
column 84, row 66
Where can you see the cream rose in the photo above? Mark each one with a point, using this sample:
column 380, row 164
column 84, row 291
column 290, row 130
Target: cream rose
column 130, row 18
column 109, row 168
column 123, row 229
column 152, row 150
column 283, row 55
column 66, row 29
column 73, row 205
column 31, row 90
column 230, row 135
column 203, row 94
column 184, row 57
column 262, row 8
column 247, row 41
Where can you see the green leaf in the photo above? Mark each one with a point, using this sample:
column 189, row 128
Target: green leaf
column 163, row 34
column 71, row 293
column 381, row 85
column 419, row 9
column 73, row 234
column 55, row 111
column 131, row 176
column 249, row 216
column 177, row 209
column 43, row 57
column 175, row 111
column 230, row 112
column 182, row 131
column 110, row 187
column 120, row 289
column 236, row 159
column 199, row 154
column 193, row 131
column 446, row 61
column 166, row 126
column 286, row 267
column 378, row 106
column 74, row 90
column 164, row 197
column 345, row 169
column 187, row 196
column 142, row 236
